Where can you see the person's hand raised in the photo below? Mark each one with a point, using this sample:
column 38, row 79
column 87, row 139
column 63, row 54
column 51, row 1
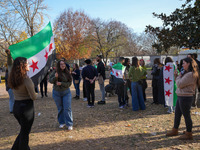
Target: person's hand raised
column 7, row 51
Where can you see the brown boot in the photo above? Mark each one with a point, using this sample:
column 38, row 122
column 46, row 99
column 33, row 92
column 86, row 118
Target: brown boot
column 186, row 136
column 173, row 132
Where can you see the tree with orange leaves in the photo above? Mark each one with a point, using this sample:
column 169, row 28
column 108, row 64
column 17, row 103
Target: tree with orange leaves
column 72, row 35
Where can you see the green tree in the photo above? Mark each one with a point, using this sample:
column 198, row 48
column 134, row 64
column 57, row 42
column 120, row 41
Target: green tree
column 180, row 28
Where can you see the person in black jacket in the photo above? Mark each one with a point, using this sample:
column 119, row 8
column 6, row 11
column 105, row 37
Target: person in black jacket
column 102, row 77
column 89, row 74
column 156, row 72
column 76, row 80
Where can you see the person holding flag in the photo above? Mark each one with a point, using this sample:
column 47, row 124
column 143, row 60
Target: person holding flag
column 39, row 52
column 24, row 94
column 118, row 79
column 32, row 59
column 169, row 84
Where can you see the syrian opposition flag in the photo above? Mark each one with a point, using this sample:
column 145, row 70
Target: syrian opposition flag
column 169, row 84
column 118, row 72
column 39, row 51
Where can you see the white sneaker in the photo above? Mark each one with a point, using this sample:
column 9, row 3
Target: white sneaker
column 61, row 126
column 84, row 99
column 70, row 128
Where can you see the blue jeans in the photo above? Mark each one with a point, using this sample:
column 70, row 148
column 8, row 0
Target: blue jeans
column 137, row 96
column 63, row 103
column 11, row 100
column 77, row 87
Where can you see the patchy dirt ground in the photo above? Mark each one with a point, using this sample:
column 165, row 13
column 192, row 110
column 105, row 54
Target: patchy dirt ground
column 100, row 128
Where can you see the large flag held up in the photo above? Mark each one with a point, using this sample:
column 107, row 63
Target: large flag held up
column 39, row 52
column 169, row 84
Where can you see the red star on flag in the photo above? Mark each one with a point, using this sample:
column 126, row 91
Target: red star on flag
column 168, row 68
column 117, row 74
column 50, row 47
column 34, row 65
column 168, row 93
column 46, row 55
column 167, row 80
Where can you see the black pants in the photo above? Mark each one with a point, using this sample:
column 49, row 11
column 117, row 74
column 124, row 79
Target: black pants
column 84, row 90
column 144, row 86
column 90, row 92
column 120, row 90
column 126, row 86
column 183, row 106
column 155, row 91
column 43, row 82
column 24, row 113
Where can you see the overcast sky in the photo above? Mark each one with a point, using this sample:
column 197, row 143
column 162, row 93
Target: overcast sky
column 136, row 14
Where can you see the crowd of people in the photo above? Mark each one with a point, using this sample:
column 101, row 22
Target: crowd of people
column 125, row 77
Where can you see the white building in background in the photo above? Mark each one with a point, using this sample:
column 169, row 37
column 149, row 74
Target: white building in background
column 183, row 54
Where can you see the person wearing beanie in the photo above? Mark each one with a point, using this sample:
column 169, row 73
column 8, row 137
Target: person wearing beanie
column 89, row 75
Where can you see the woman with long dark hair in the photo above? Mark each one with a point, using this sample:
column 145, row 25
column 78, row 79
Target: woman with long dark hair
column 24, row 93
column 76, row 80
column 135, row 75
column 128, row 81
column 155, row 72
column 186, row 83
column 62, row 80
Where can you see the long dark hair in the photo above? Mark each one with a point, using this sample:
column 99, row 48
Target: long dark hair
column 76, row 66
column 168, row 59
column 18, row 73
column 65, row 71
column 193, row 67
column 135, row 62
column 126, row 62
column 157, row 61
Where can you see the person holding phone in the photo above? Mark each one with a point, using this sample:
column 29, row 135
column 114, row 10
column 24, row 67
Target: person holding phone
column 186, row 82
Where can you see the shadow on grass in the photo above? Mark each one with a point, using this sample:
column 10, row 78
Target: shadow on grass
column 125, row 142
column 46, row 114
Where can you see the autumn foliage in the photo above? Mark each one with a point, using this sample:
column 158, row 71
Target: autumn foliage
column 72, row 35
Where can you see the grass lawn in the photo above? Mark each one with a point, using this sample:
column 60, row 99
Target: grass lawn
column 104, row 127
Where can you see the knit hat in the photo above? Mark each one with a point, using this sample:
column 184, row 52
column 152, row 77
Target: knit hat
column 88, row 61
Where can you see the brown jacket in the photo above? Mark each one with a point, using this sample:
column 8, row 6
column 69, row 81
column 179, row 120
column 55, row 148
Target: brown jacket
column 186, row 85
column 25, row 91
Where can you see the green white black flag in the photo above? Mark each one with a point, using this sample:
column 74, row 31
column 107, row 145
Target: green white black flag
column 39, row 52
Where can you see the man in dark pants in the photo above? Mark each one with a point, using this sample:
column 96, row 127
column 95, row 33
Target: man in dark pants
column 120, row 84
column 44, row 82
column 89, row 74
column 101, row 75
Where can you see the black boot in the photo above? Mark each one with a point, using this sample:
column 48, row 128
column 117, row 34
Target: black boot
column 101, row 102
column 75, row 97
